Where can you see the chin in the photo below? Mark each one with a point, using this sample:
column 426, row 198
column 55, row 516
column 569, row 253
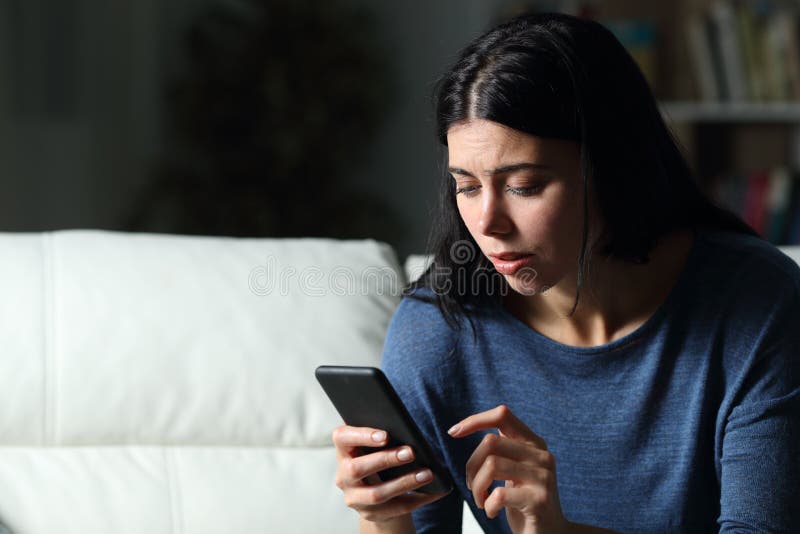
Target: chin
column 527, row 284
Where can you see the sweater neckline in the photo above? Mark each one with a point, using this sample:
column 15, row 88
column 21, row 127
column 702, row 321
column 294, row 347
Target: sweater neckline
column 631, row 338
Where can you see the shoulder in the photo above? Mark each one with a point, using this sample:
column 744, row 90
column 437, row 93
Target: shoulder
column 418, row 337
column 752, row 285
column 748, row 261
column 755, row 290
column 744, row 279
column 418, row 310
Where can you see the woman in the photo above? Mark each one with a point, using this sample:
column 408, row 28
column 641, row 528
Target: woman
column 596, row 345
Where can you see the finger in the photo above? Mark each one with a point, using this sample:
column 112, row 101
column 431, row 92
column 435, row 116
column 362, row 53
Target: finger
column 498, row 468
column 527, row 497
column 348, row 438
column 354, row 470
column 402, row 505
column 519, row 451
column 364, row 496
column 500, row 418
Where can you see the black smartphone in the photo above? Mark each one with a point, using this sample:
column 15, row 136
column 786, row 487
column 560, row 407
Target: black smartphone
column 363, row 396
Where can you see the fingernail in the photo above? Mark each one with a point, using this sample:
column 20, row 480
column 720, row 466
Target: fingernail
column 454, row 429
column 468, row 484
column 378, row 436
column 424, row 476
column 404, row 455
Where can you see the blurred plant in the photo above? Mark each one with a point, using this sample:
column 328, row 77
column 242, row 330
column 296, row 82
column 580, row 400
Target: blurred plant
column 277, row 105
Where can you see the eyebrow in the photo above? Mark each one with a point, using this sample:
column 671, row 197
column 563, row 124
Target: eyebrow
column 500, row 170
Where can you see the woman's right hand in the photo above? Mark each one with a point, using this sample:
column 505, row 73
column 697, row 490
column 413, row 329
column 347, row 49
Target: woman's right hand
column 357, row 476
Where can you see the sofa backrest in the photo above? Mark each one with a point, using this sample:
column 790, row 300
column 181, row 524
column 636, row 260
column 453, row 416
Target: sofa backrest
column 163, row 384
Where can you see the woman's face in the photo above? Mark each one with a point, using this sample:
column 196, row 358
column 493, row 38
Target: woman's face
column 521, row 198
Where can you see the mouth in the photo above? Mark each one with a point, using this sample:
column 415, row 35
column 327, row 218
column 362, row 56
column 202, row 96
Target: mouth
column 508, row 256
column 510, row 262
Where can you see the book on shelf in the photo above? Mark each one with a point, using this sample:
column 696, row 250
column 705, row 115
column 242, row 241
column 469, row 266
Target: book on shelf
column 703, row 61
column 639, row 39
column 746, row 51
column 767, row 200
column 752, row 52
column 777, row 203
column 791, row 231
column 791, row 34
column 775, row 61
column 729, row 43
column 755, row 200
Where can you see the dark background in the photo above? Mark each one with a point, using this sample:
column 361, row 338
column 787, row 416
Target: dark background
column 282, row 118
column 108, row 122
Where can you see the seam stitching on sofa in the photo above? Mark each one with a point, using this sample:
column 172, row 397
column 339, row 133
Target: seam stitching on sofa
column 43, row 252
column 47, row 342
column 170, row 499
column 55, row 363
column 173, row 453
column 176, row 477
column 172, row 491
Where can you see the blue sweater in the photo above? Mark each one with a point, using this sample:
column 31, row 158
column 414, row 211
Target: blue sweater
column 691, row 423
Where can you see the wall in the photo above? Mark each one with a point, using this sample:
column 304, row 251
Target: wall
column 80, row 97
column 80, row 119
column 405, row 167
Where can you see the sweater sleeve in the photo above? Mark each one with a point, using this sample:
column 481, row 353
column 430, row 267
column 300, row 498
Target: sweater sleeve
column 417, row 339
column 760, row 462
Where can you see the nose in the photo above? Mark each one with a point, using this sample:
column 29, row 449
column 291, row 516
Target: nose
column 494, row 219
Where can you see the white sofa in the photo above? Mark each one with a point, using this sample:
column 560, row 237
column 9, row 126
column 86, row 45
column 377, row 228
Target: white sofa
column 158, row 384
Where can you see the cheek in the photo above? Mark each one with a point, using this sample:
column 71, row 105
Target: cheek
column 561, row 207
column 538, row 219
column 565, row 224
column 470, row 214
column 537, row 222
column 553, row 226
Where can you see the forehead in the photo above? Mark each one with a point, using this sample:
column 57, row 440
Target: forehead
column 484, row 143
column 483, row 135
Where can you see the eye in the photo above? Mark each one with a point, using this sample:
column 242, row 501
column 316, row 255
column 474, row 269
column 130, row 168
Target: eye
column 467, row 190
column 525, row 191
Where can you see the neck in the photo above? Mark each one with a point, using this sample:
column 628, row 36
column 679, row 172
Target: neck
column 616, row 298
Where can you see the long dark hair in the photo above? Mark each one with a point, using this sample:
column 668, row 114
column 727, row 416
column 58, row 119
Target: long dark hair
column 558, row 76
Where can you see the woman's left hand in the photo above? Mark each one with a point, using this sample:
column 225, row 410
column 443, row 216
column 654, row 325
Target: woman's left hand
column 521, row 459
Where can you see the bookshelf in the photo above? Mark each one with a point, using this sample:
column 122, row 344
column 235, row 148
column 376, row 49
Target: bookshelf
column 726, row 74
column 729, row 115
column 747, row 156
column 727, row 77
column 731, row 112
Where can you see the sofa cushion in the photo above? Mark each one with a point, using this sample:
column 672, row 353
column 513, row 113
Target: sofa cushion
column 162, row 383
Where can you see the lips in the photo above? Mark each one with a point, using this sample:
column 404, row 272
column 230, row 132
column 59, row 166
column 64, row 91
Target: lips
column 510, row 262
column 508, row 256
